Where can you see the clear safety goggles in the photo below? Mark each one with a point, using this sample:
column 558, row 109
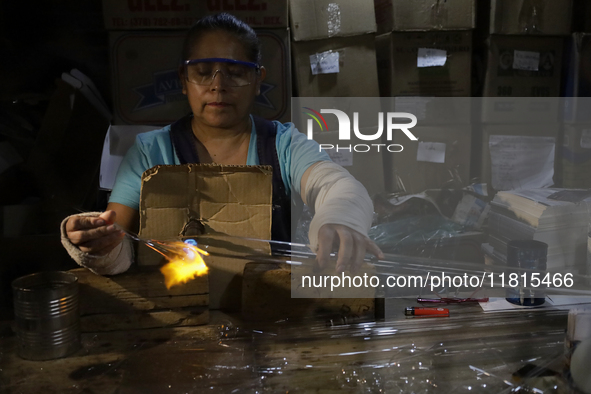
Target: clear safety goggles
column 236, row 73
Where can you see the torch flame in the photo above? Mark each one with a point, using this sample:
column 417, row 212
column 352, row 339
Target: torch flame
column 184, row 266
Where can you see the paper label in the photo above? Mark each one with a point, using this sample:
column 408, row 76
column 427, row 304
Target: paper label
column 429, row 57
column 433, row 152
column 324, row 63
column 519, row 162
column 344, row 158
column 586, row 138
column 525, row 60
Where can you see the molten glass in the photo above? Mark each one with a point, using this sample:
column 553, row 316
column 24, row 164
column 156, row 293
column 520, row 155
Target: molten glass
column 185, row 263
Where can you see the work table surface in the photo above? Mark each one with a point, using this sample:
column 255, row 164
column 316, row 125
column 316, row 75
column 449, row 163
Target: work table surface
column 470, row 351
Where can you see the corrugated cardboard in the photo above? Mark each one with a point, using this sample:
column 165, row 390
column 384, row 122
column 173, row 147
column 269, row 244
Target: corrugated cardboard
column 147, row 90
column 504, row 80
column 357, row 76
column 576, row 156
column 233, row 200
column 545, row 17
column 417, row 172
column 528, row 130
column 404, row 15
column 577, row 81
column 224, row 200
column 317, row 19
column 181, row 14
column 401, row 76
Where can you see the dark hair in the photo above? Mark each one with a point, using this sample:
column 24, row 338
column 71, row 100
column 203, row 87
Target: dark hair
column 227, row 23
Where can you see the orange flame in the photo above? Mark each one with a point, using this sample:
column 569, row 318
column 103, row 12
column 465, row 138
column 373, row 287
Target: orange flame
column 184, row 266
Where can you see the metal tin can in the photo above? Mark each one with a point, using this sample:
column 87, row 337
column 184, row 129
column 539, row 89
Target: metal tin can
column 47, row 315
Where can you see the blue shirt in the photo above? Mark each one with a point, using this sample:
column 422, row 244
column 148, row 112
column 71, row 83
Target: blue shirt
column 296, row 153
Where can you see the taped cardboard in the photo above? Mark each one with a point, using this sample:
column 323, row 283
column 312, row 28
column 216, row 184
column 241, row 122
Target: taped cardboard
column 541, row 17
column 318, row 19
column 424, row 15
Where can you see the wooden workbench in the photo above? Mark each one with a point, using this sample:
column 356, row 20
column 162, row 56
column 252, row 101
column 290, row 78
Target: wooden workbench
column 469, row 351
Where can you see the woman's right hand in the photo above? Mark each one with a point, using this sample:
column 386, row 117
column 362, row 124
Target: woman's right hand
column 94, row 235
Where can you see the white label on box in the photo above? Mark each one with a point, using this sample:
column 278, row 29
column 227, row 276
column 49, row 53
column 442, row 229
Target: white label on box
column 344, row 158
column 324, row 63
column 433, row 152
column 586, row 138
column 525, row 60
column 429, row 57
column 519, row 162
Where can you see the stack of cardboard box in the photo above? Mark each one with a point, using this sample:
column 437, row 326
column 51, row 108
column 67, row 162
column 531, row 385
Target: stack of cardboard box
column 520, row 108
column 334, row 48
column 425, row 52
column 146, row 39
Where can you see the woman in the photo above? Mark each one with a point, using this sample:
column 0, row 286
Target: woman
column 221, row 77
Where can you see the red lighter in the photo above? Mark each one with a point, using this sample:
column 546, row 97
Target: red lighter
column 426, row 312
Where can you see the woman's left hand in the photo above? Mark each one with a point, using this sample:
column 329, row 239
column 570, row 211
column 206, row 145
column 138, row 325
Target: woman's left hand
column 352, row 247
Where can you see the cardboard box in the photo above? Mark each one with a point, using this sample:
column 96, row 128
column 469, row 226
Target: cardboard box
column 317, row 19
column 181, row 14
column 522, row 66
column 439, row 159
column 336, row 67
column 147, row 90
column 409, row 63
column 576, row 156
column 525, row 155
column 577, row 82
column 542, row 17
column 404, row 15
column 217, row 200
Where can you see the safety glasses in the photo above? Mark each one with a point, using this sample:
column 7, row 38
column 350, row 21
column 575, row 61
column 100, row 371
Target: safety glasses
column 236, row 73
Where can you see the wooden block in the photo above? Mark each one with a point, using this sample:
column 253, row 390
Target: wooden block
column 139, row 299
column 266, row 295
